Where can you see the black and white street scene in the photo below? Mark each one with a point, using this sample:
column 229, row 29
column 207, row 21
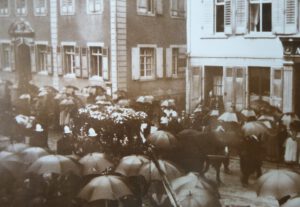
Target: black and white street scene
column 149, row 103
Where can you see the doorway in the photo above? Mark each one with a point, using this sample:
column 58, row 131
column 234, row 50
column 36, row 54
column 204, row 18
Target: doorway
column 214, row 85
column 23, row 66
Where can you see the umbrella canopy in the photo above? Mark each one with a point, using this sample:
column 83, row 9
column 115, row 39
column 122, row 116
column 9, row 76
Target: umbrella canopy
column 293, row 202
column 16, row 148
column 72, row 87
column 194, row 181
column 10, row 163
column 108, row 187
column 289, row 118
column 150, row 172
column 94, row 163
column 31, row 154
column 131, row 165
column 162, row 140
column 278, row 183
column 124, row 102
column 266, row 117
column 145, row 99
column 254, row 128
column 248, row 113
column 214, row 113
column 229, row 117
column 54, row 164
column 197, row 198
column 50, row 89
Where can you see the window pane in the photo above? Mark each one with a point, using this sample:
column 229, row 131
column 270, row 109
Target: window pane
column 267, row 17
column 254, row 17
column 219, row 18
column 259, row 81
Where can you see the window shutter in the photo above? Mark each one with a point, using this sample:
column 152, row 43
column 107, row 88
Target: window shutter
column 32, row 58
column 239, row 86
column 278, row 9
column 49, row 60
column 228, row 86
column 169, row 62
column 12, row 58
column 291, row 8
column 276, row 86
column 227, row 17
column 77, row 62
column 105, row 68
column 241, row 16
column 135, row 63
column 207, row 17
column 159, row 62
column 84, row 62
column 159, row 7
column 59, row 60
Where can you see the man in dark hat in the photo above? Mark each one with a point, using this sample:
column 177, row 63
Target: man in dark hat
column 65, row 145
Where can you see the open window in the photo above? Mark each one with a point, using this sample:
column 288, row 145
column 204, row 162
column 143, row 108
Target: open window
column 260, row 16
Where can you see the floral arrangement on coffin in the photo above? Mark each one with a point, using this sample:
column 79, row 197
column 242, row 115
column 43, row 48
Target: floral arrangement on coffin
column 118, row 128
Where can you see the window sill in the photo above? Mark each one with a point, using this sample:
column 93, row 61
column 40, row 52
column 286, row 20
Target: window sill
column 40, row 15
column 70, row 76
column 71, row 14
column 215, row 36
column 178, row 17
column 94, row 13
column 145, row 79
column 146, row 14
column 4, row 15
column 7, row 70
column 42, row 73
column 255, row 35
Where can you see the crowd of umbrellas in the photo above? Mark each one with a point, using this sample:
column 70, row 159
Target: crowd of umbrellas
column 100, row 178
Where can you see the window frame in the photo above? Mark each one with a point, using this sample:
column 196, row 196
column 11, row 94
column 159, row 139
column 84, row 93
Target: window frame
column 91, row 47
column 68, row 44
column 3, row 14
column 260, row 2
column 260, row 82
column 8, row 44
column 178, row 47
column 45, row 70
column 146, row 13
column 67, row 13
column 40, row 13
column 96, row 12
column 153, row 69
column 172, row 10
column 26, row 8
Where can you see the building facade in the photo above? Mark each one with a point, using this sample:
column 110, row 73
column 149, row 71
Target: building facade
column 244, row 50
column 133, row 45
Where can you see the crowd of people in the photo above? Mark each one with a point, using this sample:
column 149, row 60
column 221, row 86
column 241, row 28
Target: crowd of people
column 109, row 126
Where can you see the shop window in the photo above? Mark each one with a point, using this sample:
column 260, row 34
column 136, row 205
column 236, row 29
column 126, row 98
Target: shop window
column 21, row 7
column 4, row 7
column 6, row 56
column 40, row 7
column 41, row 58
column 67, row 7
column 145, row 7
column 178, row 8
column 147, row 62
column 94, row 6
column 69, row 60
column 219, row 18
column 259, row 81
column 260, row 16
column 96, row 63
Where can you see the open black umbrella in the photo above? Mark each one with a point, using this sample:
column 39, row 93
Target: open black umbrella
column 94, row 163
column 278, row 183
column 31, row 154
column 162, row 140
column 106, row 187
column 10, row 164
column 131, row 165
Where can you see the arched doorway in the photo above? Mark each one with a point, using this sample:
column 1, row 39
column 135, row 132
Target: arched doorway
column 23, row 65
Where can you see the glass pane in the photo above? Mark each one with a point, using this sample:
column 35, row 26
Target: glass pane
column 220, row 18
column 267, row 17
column 254, row 18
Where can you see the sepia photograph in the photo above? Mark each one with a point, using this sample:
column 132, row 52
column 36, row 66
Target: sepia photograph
column 149, row 103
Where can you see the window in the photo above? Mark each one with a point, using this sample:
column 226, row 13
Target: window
column 259, row 81
column 40, row 7
column 145, row 7
column 147, row 62
column 219, row 19
column 21, row 7
column 41, row 58
column 69, row 60
column 217, row 85
column 6, row 56
column 94, row 6
column 260, row 16
column 3, row 7
column 178, row 8
column 178, row 61
column 96, row 61
column 67, row 7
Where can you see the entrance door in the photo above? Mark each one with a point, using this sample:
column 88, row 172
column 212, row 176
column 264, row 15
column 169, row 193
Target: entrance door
column 23, row 64
column 297, row 89
column 214, row 86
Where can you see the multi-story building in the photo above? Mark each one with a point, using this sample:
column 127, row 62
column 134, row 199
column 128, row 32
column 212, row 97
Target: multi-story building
column 244, row 50
column 134, row 45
